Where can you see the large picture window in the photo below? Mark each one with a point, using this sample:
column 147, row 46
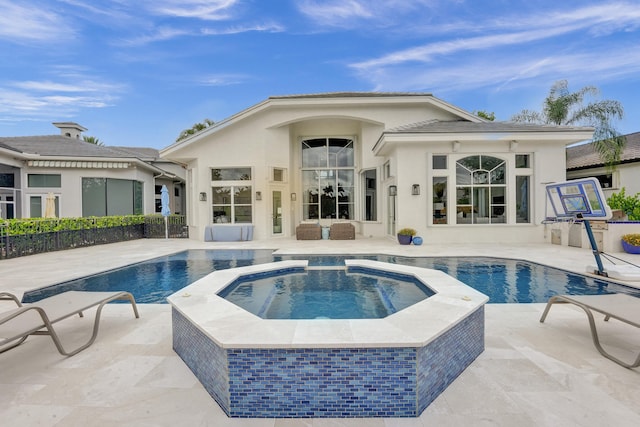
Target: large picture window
column 328, row 178
column 107, row 196
column 481, row 190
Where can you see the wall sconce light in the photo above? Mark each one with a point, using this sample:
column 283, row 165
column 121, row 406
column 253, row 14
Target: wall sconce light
column 293, row 197
column 393, row 190
column 455, row 146
column 258, row 195
column 415, row 189
column 203, row 197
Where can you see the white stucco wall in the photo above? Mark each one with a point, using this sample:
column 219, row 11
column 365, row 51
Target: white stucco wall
column 269, row 136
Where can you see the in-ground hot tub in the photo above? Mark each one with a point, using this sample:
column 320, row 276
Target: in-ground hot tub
column 393, row 366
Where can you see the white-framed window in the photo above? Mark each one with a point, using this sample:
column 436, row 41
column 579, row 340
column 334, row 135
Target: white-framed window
column 44, row 180
column 231, row 195
column 37, row 205
column 481, row 190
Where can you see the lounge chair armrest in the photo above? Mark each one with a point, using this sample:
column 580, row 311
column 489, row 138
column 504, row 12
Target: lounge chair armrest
column 7, row 296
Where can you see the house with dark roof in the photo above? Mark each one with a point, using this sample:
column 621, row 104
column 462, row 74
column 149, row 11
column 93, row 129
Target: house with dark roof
column 379, row 161
column 584, row 161
column 85, row 179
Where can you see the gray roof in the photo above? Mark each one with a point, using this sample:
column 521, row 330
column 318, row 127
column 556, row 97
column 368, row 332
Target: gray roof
column 60, row 146
column 462, row 126
column 585, row 155
column 349, row 95
column 143, row 153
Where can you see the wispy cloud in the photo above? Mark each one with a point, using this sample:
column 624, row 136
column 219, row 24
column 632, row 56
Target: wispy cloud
column 354, row 13
column 25, row 23
column 429, row 52
column 166, row 33
column 332, row 11
column 238, row 29
column 513, row 50
column 513, row 71
column 208, row 10
column 71, row 92
column 222, row 79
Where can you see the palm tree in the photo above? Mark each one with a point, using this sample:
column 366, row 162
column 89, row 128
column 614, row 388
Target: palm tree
column 92, row 140
column 194, row 129
column 562, row 107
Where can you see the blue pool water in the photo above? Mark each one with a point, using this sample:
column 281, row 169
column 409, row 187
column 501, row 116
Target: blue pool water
column 503, row 280
column 362, row 293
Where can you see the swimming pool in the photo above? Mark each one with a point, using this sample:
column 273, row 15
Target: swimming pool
column 503, row 280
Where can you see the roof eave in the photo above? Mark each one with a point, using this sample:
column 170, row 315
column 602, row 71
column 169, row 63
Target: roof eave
column 566, row 137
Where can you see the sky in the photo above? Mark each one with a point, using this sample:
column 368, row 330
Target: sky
column 138, row 72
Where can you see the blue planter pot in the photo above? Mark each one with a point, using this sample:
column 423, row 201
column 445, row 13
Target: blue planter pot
column 403, row 239
column 417, row 240
column 630, row 249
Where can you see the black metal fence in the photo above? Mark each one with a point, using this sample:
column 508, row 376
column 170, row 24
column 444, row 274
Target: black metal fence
column 154, row 227
column 13, row 246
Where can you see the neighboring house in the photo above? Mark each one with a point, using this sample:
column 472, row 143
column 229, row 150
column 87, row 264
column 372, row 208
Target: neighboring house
column 583, row 161
column 382, row 161
column 86, row 179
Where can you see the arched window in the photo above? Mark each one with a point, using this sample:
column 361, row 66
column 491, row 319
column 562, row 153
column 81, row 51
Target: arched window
column 481, row 190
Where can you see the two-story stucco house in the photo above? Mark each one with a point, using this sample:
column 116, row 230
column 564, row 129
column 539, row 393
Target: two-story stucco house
column 382, row 161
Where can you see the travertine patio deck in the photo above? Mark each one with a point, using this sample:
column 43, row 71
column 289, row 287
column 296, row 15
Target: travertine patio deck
column 531, row 374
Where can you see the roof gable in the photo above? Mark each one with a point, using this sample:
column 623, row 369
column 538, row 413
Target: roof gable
column 329, row 99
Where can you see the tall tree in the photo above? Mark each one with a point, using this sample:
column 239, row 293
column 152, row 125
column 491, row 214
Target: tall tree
column 562, row 107
column 194, row 129
column 92, row 140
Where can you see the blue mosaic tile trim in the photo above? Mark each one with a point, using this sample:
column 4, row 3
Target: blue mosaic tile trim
column 447, row 356
column 373, row 382
column 206, row 360
column 323, row 382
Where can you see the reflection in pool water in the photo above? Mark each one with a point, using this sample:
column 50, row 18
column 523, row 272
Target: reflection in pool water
column 503, row 280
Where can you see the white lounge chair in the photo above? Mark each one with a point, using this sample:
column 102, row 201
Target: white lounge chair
column 625, row 308
column 38, row 318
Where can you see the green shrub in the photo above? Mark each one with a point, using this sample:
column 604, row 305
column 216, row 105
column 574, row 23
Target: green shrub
column 15, row 227
column 630, row 205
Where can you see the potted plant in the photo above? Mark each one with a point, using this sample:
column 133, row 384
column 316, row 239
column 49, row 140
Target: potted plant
column 405, row 235
column 631, row 243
